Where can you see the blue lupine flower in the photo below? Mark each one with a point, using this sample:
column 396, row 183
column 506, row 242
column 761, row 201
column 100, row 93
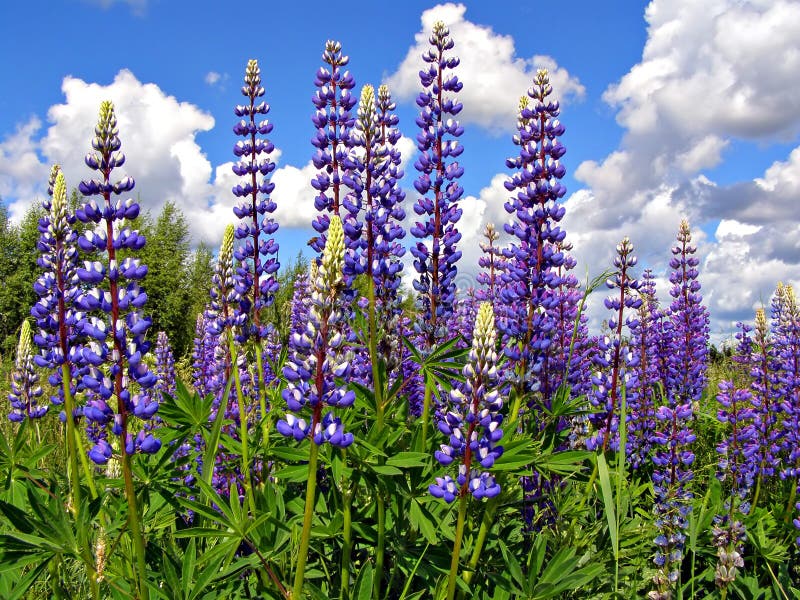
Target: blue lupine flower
column 57, row 288
column 614, row 362
column 473, row 421
column 333, row 101
column 257, row 262
column 435, row 255
column 165, row 366
column 531, row 276
column 114, row 325
column 319, row 354
column 25, row 389
column 737, row 470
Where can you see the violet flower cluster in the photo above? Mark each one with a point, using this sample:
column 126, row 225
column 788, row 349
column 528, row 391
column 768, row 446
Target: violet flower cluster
column 333, row 101
column 533, row 261
column 257, row 262
column 736, row 468
column 165, row 366
column 473, row 421
column 319, row 354
column 435, row 255
column 58, row 287
column 613, row 361
column 114, row 325
column 25, row 389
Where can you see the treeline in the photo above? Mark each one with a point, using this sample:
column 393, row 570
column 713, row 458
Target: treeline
column 177, row 283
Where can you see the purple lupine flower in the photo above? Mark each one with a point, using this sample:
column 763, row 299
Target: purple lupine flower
column 569, row 359
column 737, row 468
column 786, row 331
column 257, row 261
column 333, row 101
column 531, row 276
column 435, row 255
column 165, row 366
column 473, row 421
column 57, row 288
column 300, row 304
column 492, row 263
column 462, row 321
column 644, row 345
column 319, row 354
column 672, row 472
column 225, row 294
column 688, row 357
column 25, row 389
column 766, row 398
column 614, row 362
column 202, row 358
column 113, row 299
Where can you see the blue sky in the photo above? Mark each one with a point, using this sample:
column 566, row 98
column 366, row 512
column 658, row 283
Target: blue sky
column 673, row 108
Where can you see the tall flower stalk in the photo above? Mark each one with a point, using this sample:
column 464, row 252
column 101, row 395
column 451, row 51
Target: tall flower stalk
column 736, row 468
column 257, row 256
column 55, row 314
column 435, row 255
column 534, row 258
column 25, row 389
column 318, row 355
column 117, row 329
column 333, row 101
column 473, row 426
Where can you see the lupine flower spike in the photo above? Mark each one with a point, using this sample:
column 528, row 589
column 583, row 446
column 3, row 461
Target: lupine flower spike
column 114, row 325
column 435, row 256
column 333, row 101
column 736, row 469
column 534, row 259
column 25, row 389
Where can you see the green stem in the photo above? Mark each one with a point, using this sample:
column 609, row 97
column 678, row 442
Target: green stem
column 379, row 553
column 483, row 533
column 757, row 493
column 87, row 469
column 262, row 395
column 210, row 456
column 491, row 508
column 426, row 412
column 347, row 541
column 72, row 452
column 248, row 487
column 134, row 526
column 451, row 579
column 790, row 506
column 302, row 554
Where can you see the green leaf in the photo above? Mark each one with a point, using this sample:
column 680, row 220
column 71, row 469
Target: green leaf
column 408, row 459
column 608, row 502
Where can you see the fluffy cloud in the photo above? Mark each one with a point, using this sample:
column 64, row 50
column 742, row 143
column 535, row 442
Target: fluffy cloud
column 489, row 69
column 21, row 172
column 212, row 77
column 710, row 72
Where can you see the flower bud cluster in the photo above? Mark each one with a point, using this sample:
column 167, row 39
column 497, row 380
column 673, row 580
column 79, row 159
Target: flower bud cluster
column 257, row 262
column 58, row 288
column 25, row 389
column 532, row 276
column 435, row 255
column 114, row 325
column 473, row 421
column 333, row 101
column 319, row 354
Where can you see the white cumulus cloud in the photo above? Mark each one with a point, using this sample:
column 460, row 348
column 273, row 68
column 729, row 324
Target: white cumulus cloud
column 492, row 73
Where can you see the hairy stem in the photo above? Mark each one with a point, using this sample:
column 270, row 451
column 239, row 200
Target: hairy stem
column 308, row 514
